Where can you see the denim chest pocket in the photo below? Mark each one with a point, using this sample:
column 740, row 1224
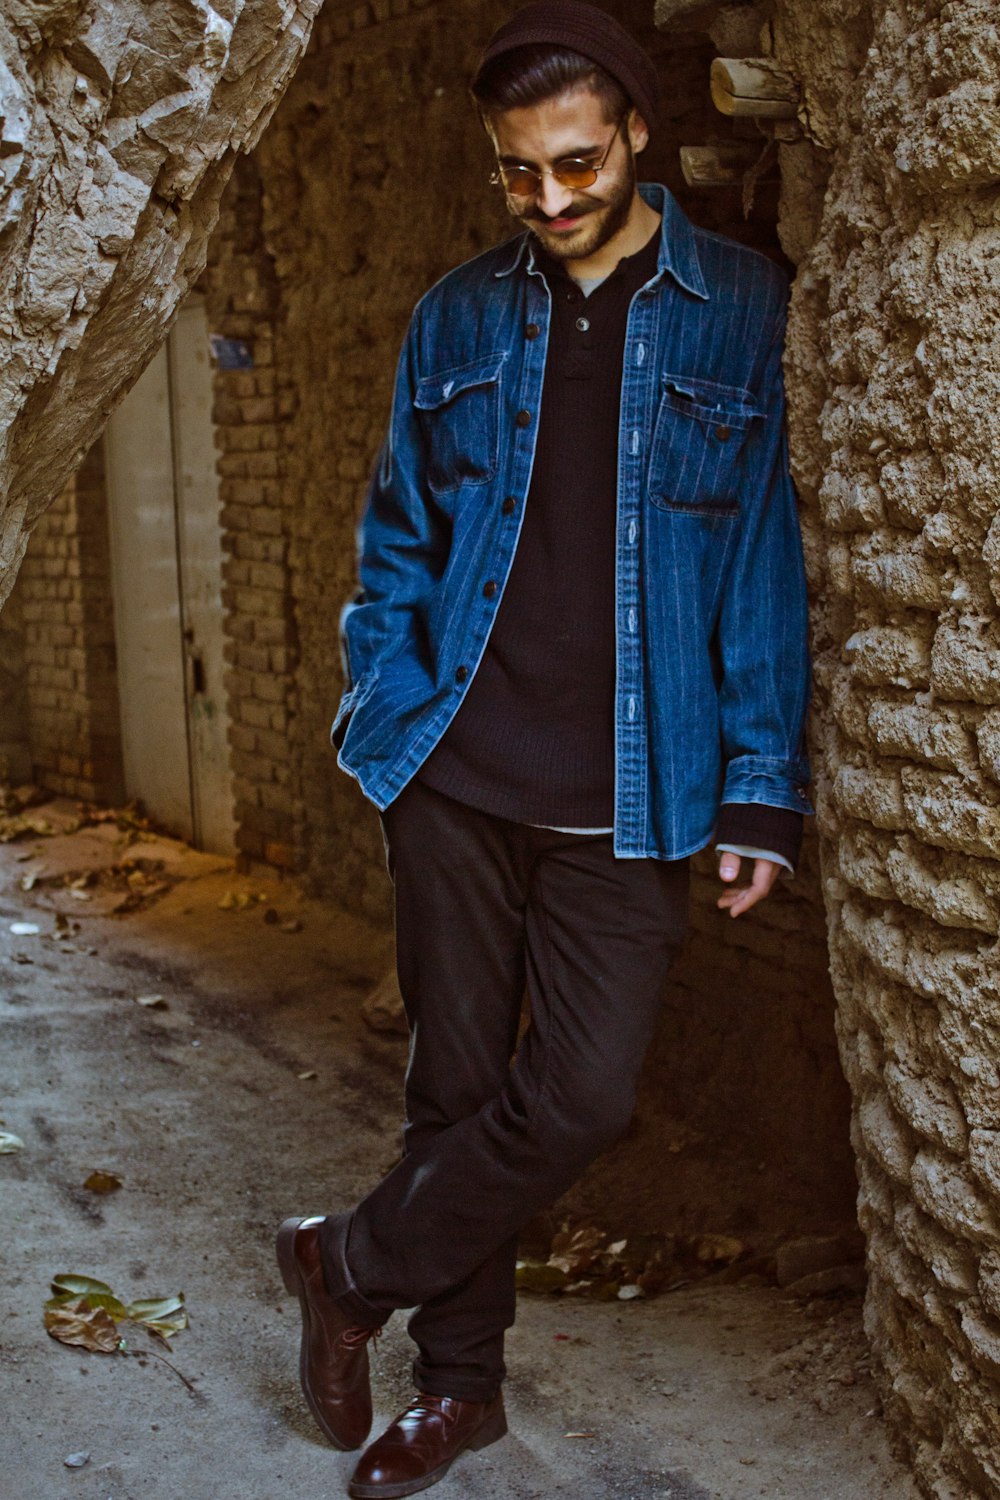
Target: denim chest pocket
column 701, row 428
column 460, row 416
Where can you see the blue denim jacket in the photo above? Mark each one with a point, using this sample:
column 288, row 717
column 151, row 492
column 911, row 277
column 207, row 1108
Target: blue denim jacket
column 712, row 667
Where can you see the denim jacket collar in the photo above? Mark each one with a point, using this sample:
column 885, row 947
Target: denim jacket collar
column 678, row 254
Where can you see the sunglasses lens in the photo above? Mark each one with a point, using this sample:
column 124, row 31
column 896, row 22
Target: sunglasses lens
column 520, row 180
column 575, row 174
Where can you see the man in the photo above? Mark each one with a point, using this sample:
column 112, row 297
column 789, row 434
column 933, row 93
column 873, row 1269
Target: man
column 578, row 653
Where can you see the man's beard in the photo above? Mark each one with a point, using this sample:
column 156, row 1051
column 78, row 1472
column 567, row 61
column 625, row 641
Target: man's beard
column 605, row 222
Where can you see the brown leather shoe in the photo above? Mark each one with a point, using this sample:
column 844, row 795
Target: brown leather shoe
column 333, row 1361
column 422, row 1443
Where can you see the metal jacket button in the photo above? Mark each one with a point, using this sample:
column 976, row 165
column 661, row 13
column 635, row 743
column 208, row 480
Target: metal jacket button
column 489, row 588
column 722, row 433
column 509, row 506
column 523, row 418
column 532, row 331
column 461, row 673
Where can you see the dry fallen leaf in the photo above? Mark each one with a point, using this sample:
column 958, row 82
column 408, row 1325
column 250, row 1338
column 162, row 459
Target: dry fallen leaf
column 76, row 1460
column 79, row 1322
column 83, row 1311
column 721, row 1248
column 310, row 1074
column 236, row 901
column 103, row 1182
column 98, row 1293
column 161, row 1315
column 575, row 1251
column 537, row 1276
column 9, row 1143
column 152, row 1002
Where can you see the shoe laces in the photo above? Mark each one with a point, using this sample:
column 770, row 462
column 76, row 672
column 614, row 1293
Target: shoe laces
column 355, row 1337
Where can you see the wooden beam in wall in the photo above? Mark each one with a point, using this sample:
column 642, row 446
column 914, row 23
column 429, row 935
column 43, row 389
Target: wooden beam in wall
column 753, row 86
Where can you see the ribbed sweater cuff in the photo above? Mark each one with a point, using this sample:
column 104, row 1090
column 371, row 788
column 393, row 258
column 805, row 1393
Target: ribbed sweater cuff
column 762, row 827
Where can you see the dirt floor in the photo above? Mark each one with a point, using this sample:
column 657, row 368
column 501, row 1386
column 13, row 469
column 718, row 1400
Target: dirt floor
column 252, row 1089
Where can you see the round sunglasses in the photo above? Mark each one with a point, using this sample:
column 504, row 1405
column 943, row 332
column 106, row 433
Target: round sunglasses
column 570, row 171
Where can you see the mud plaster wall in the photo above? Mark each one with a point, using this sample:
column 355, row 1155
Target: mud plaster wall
column 894, row 365
column 371, row 185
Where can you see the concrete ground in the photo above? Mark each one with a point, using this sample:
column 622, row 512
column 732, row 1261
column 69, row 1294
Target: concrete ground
column 253, row 1091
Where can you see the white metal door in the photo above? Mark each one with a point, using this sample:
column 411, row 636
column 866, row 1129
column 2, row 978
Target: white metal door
column 166, row 576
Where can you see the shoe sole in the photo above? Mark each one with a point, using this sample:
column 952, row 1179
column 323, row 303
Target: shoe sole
column 295, row 1286
column 491, row 1431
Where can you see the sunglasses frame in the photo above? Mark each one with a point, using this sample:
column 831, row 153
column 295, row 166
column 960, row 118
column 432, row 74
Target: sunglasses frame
column 559, row 171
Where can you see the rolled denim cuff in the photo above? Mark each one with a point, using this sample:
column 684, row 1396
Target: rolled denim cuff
column 768, row 780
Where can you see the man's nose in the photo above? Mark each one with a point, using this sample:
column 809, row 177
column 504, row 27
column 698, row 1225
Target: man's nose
column 553, row 197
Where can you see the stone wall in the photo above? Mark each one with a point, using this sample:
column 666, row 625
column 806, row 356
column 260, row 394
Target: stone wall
column 894, row 363
column 119, row 126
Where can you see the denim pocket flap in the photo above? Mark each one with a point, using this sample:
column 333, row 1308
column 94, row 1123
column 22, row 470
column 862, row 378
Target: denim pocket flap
column 459, row 411
column 707, row 401
column 436, row 390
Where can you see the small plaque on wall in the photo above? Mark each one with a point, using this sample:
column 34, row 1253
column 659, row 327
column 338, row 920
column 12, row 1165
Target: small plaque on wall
column 231, row 354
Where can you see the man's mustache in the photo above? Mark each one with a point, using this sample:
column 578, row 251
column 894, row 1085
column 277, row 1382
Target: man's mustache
column 535, row 215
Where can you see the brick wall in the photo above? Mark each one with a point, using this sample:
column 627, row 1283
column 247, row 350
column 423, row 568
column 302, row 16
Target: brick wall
column 249, row 409
column 15, row 741
column 63, row 598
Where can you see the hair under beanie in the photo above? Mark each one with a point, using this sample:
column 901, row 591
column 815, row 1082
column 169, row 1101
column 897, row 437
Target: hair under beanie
column 590, row 31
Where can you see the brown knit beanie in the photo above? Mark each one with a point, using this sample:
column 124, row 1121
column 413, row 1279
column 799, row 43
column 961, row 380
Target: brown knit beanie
column 590, row 31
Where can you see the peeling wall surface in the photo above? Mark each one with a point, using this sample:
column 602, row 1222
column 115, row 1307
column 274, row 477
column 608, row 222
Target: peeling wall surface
column 119, row 125
column 894, row 373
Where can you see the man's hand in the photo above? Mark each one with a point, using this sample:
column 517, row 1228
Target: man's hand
column 765, row 873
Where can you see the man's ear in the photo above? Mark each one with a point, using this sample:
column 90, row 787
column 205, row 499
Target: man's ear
column 638, row 131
